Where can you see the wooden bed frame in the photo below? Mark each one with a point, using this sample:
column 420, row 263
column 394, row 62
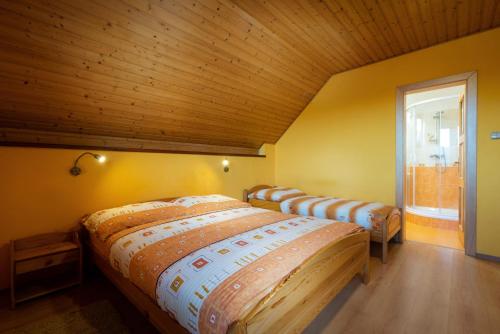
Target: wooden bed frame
column 290, row 307
column 390, row 230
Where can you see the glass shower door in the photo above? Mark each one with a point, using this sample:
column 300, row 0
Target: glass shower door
column 432, row 154
column 448, row 161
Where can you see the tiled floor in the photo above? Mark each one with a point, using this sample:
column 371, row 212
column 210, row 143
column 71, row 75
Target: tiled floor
column 441, row 233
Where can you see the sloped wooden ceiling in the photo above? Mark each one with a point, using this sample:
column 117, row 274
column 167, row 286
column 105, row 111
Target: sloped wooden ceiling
column 218, row 76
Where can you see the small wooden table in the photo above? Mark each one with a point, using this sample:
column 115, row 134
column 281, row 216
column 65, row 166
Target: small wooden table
column 43, row 264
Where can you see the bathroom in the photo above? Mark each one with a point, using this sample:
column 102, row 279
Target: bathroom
column 433, row 160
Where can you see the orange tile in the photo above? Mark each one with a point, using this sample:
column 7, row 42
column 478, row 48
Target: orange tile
column 432, row 183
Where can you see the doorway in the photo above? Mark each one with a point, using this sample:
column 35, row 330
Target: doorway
column 433, row 165
column 436, row 161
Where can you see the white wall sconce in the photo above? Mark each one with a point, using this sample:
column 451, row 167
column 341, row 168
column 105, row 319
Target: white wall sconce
column 75, row 170
column 225, row 164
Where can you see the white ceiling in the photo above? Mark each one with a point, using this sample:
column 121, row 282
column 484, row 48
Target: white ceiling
column 437, row 99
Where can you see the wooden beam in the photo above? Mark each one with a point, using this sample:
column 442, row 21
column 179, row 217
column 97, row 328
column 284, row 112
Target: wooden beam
column 35, row 138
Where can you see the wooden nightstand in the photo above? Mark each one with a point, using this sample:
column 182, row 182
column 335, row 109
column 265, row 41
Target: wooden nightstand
column 43, row 264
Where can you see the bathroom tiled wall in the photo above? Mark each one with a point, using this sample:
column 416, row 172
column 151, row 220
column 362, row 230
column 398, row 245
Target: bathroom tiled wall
column 432, row 181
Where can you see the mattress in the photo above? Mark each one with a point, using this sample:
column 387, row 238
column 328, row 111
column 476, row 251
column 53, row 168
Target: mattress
column 370, row 215
column 206, row 265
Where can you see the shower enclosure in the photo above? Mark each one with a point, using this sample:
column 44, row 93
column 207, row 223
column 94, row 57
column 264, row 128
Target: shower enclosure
column 432, row 152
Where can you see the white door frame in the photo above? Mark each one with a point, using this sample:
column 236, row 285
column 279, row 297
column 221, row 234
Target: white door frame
column 470, row 79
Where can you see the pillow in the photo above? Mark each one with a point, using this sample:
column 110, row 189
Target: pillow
column 276, row 194
column 107, row 222
column 209, row 203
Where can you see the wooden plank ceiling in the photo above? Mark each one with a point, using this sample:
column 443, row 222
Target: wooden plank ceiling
column 211, row 74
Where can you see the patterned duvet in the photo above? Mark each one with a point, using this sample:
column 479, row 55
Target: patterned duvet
column 205, row 259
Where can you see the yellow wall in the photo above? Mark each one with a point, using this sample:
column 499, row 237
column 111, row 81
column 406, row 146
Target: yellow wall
column 343, row 143
column 38, row 195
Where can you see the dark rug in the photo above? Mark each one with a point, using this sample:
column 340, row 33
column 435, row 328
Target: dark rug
column 98, row 317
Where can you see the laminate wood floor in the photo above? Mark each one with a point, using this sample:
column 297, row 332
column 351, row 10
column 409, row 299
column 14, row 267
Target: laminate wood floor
column 423, row 289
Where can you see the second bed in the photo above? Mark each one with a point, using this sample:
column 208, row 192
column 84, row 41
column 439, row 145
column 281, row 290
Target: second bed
column 382, row 221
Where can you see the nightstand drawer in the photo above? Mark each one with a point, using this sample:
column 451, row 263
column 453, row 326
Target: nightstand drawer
column 47, row 261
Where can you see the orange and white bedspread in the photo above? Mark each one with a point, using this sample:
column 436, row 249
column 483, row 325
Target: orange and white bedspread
column 276, row 194
column 205, row 268
column 370, row 215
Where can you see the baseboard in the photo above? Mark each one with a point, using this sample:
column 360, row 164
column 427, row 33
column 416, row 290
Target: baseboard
column 488, row 257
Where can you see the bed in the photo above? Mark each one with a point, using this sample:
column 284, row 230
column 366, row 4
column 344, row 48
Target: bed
column 213, row 264
column 382, row 221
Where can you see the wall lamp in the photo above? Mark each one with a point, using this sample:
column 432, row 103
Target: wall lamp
column 75, row 170
column 225, row 163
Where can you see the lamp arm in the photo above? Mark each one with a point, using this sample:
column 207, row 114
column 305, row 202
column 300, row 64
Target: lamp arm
column 81, row 155
column 75, row 170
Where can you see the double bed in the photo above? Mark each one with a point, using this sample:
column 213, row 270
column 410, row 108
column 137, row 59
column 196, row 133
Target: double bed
column 382, row 221
column 213, row 264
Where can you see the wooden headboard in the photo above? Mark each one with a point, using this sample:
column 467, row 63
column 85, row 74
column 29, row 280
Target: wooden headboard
column 167, row 199
column 246, row 192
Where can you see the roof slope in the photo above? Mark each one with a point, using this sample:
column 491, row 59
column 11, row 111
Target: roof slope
column 150, row 73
